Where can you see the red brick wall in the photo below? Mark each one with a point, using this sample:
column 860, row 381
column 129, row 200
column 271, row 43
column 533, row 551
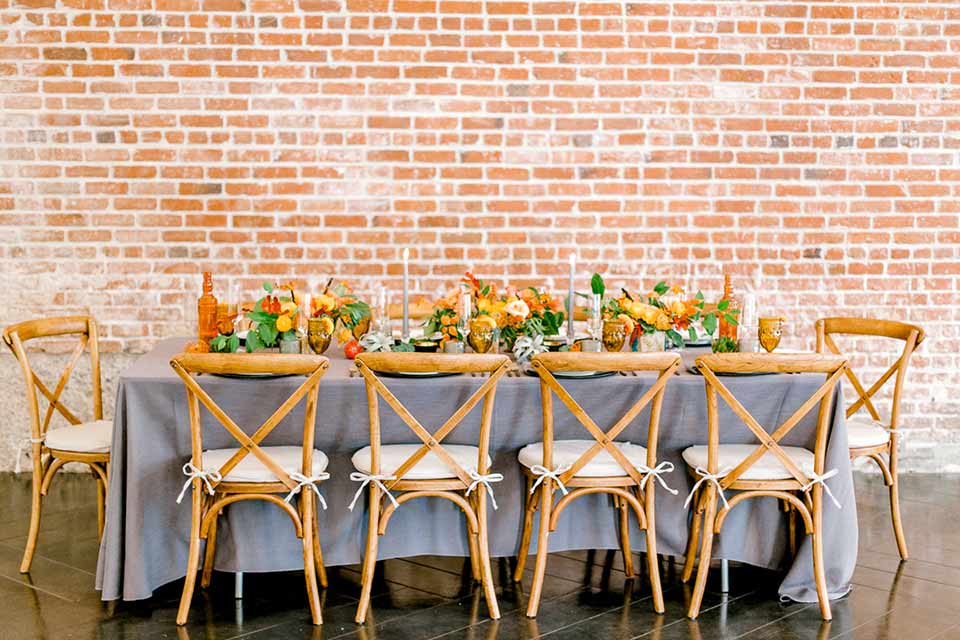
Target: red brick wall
column 817, row 143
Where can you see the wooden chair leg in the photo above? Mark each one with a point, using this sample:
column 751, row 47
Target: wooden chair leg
column 706, row 548
column 895, row 515
column 318, row 552
column 34, row 531
column 530, row 507
column 369, row 554
column 653, row 562
column 693, row 538
column 309, row 569
column 792, row 533
column 540, row 568
column 209, row 554
column 193, row 557
column 101, row 506
column 489, row 590
column 472, row 541
column 621, row 507
column 817, row 539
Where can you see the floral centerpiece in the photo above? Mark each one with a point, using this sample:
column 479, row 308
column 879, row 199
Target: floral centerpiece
column 273, row 317
column 665, row 309
column 341, row 308
column 530, row 312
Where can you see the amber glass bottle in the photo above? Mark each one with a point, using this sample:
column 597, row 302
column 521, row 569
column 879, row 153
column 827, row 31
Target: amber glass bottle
column 207, row 311
column 728, row 330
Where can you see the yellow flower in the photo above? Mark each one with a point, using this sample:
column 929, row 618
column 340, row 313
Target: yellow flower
column 648, row 313
column 627, row 321
column 284, row 323
column 344, row 336
column 663, row 322
column 678, row 308
column 484, row 305
column 326, row 302
column 287, row 307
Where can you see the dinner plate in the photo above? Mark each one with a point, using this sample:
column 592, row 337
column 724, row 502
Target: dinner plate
column 418, row 374
column 253, row 376
column 576, row 375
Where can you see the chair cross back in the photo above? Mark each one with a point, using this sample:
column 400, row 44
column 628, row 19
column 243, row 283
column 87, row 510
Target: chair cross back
column 313, row 367
column 369, row 363
column 546, row 363
column 833, row 367
column 85, row 327
column 912, row 336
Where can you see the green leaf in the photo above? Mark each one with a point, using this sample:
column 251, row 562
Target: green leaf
column 709, row 323
column 234, row 343
column 730, row 319
column 675, row 337
column 597, row 285
column 661, row 288
column 722, row 305
column 485, row 290
column 699, row 296
column 268, row 334
column 268, row 286
column 290, row 335
column 253, row 341
column 218, row 343
column 403, row 347
column 692, row 333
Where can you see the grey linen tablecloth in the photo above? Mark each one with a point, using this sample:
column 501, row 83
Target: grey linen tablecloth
column 145, row 542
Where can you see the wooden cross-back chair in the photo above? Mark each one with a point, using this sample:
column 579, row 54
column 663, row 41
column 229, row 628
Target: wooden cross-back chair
column 869, row 435
column 459, row 473
column 84, row 442
column 253, row 471
column 793, row 475
column 602, row 465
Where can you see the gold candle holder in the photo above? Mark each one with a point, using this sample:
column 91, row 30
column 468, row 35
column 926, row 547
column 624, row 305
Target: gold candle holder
column 769, row 332
column 318, row 335
column 614, row 334
column 481, row 336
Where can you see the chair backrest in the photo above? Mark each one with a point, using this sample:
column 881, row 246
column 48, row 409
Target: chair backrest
column 910, row 334
column 313, row 367
column 84, row 328
column 545, row 364
column 370, row 363
column 833, row 367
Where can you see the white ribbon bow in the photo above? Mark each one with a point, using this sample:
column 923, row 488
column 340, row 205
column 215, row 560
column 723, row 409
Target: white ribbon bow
column 664, row 467
column 376, row 342
column 22, row 449
column 192, row 472
column 366, row 479
column 822, row 480
column 526, row 347
column 308, row 481
column 485, row 481
column 706, row 476
column 543, row 472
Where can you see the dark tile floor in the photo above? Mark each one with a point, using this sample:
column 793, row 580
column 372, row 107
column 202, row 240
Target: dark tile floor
column 585, row 595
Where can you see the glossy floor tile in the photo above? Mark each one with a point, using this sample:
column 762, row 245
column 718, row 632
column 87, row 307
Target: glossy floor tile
column 586, row 594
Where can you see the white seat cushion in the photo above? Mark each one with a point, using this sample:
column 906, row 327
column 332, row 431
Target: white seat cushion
column 864, row 431
column 429, row 468
column 566, row 452
column 251, row 469
column 768, row 467
column 89, row 437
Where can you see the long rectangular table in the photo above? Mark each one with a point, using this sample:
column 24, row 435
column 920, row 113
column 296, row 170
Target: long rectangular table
column 145, row 542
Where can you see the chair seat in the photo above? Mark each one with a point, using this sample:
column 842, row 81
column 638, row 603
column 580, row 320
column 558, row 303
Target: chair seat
column 864, row 431
column 88, row 437
column 250, row 469
column 566, row 452
column 768, row 467
column 430, row 466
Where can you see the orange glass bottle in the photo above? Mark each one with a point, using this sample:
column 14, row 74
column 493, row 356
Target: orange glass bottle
column 207, row 311
column 728, row 330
